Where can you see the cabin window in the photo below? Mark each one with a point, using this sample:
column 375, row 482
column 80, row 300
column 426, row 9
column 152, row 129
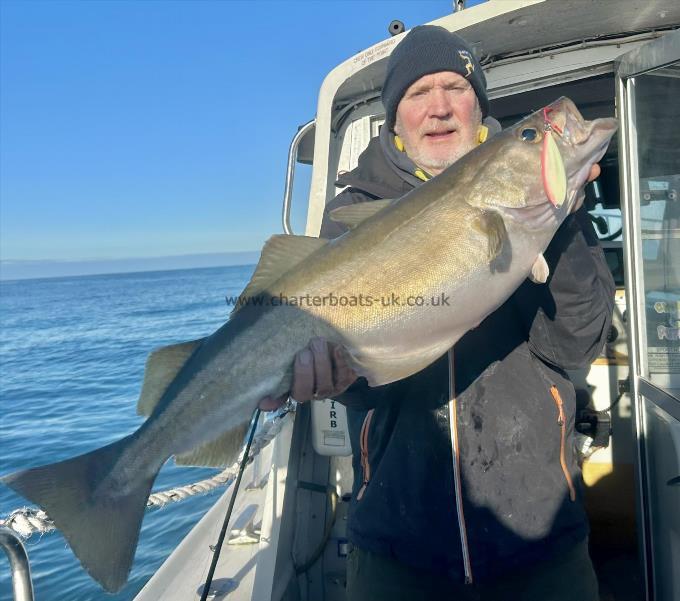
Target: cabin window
column 657, row 131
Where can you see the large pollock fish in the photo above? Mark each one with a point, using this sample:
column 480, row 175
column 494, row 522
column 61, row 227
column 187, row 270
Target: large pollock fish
column 409, row 279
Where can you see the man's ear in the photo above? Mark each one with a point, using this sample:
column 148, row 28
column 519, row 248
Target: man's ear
column 493, row 125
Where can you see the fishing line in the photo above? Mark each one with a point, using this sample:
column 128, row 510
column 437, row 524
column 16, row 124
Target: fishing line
column 223, row 532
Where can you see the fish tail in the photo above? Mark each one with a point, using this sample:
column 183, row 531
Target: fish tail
column 102, row 529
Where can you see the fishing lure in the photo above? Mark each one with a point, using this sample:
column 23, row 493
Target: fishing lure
column 552, row 168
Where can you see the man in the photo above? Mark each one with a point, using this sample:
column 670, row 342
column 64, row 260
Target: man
column 499, row 514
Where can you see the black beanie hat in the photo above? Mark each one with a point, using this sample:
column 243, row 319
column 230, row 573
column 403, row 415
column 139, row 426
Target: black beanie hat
column 429, row 49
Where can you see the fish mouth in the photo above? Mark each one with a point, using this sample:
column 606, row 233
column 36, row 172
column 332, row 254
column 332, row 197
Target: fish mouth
column 588, row 137
column 577, row 132
column 567, row 120
column 584, row 143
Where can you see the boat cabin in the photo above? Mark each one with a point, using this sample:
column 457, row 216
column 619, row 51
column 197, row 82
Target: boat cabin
column 287, row 539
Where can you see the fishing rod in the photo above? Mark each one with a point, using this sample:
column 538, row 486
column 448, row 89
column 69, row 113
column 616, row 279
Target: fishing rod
column 223, row 532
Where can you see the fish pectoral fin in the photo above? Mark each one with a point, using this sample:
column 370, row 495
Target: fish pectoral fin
column 353, row 215
column 491, row 225
column 539, row 270
column 162, row 365
column 220, row 452
column 280, row 253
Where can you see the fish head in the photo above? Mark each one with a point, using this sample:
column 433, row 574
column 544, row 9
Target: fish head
column 548, row 157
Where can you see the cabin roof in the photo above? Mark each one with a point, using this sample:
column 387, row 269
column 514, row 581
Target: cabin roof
column 498, row 29
column 552, row 23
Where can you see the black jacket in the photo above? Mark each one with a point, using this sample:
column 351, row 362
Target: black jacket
column 516, row 460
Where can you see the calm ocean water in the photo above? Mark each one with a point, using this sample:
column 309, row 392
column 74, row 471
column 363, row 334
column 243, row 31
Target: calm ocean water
column 72, row 353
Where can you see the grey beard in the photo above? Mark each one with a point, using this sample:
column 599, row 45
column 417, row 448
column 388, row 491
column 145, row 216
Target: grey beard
column 429, row 164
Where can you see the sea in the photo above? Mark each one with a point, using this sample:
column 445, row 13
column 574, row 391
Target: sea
column 72, row 354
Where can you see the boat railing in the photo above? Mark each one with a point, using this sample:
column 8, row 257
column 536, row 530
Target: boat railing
column 22, row 585
column 290, row 173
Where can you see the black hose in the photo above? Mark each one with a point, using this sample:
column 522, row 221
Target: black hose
column 614, row 403
column 332, row 496
column 613, row 236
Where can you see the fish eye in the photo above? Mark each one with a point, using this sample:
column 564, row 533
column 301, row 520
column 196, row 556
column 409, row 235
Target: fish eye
column 529, row 134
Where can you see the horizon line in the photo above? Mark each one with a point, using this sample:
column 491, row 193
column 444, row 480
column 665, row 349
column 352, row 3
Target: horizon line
column 132, row 258
column 32, row 269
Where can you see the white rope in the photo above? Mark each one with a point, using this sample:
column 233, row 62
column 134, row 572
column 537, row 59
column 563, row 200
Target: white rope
column 27, row 521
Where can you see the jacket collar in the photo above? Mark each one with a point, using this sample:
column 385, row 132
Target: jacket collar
column 377, row 174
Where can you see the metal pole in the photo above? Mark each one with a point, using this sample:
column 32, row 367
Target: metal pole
column 290, row 174
column 18, row 563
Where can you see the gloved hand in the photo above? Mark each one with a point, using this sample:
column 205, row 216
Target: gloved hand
column 320, row 370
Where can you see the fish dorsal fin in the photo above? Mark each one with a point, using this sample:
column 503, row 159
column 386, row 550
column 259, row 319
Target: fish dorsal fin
column 280, row 253
column 353, row 215
column 491, row 225
column 162, row 365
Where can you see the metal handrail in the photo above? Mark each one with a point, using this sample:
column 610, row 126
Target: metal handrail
column 18, row 563
column 290, row 174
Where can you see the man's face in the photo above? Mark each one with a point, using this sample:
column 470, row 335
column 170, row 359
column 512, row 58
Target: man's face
column 437, row 120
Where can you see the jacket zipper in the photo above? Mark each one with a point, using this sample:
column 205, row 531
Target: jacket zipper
column 561, row 420
column 363, row 443
column 453, row 426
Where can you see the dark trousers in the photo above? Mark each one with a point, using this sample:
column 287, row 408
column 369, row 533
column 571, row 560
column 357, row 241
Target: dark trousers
column 567, row 577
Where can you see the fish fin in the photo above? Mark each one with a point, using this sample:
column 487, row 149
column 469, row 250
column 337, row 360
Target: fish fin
column 102, row 530
column 492, row 226
column 539, row 270
column 162, row 366
column 280, row 253
column 221, row 452
column 353, row 215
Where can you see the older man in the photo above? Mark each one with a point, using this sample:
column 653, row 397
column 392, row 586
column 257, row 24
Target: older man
column 499, row 515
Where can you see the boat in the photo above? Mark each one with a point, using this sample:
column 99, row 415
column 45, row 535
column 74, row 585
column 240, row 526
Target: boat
column 286, row 539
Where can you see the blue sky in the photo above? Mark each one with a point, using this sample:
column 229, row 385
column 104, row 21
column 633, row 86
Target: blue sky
column 138, row 129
